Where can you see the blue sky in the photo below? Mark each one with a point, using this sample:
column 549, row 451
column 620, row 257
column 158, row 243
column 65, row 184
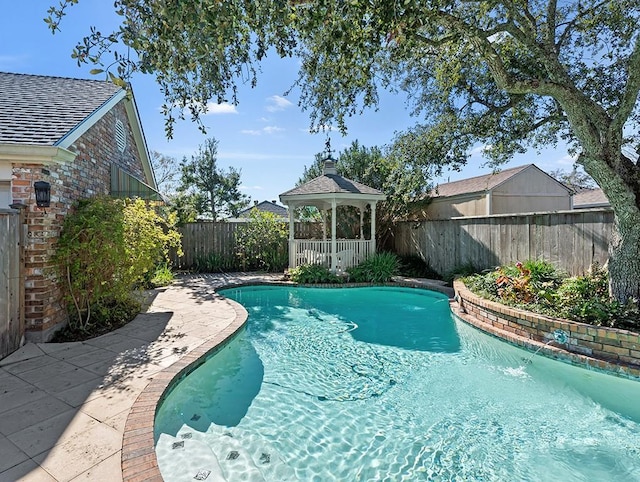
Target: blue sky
column 266, row 136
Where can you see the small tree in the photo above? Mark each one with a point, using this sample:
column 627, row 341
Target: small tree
column 148, row 238
column 389, row 172
column 577, row 180
column 165, row 169
column 211, row 190
column 262, row 242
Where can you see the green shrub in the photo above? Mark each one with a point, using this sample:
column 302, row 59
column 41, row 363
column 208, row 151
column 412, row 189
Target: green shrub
column 215, row 263
column 539, row 287
column 262, row 242
column 162, row 276
column 378, row 268
column 106, row 317
column 415, row 267
column 531, row 282
column 147, row 238
column 586, row 299
column 106, row 248
column 483, row 285
column 461, row 271
column 313, row 274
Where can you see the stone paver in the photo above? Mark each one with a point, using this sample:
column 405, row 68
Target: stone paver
column 64, row 407
column 84, row 411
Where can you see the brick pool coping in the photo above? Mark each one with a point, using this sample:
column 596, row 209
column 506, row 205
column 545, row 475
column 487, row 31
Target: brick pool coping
column 610, row 350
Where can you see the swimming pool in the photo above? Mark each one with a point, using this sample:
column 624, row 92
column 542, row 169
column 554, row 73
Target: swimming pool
column 385, row 384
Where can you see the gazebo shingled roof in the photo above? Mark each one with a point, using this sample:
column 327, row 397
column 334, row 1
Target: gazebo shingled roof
column 331, row 183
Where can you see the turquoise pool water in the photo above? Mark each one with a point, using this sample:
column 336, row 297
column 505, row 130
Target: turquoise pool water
column 385, row 384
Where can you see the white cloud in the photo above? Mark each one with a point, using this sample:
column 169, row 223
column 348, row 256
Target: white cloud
column 224, row 108
column 11, row 61
column 272, row 129
column 481, row 149
column 265, row 130
column 276, row 103
column 251, row 188
column 498, row 37
column 567, row 160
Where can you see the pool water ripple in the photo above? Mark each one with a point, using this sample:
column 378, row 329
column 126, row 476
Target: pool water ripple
column 410, row 394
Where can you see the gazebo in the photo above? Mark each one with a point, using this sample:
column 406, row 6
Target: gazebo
column 326, row 193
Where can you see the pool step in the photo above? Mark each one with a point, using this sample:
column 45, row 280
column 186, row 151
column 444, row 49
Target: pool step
column 263, row 455
column 235, row 461
column 220, row 454
column 191, row 459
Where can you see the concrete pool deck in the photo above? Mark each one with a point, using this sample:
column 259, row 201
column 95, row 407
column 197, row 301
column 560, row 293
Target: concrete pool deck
column 80, row 411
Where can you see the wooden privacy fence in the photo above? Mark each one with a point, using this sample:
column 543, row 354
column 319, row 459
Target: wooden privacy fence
column 200, row 240
column 571, row 240
column 11, row 324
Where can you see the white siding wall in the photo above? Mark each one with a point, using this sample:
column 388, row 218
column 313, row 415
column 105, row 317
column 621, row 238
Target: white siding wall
column 468, row 205
column 530, row 191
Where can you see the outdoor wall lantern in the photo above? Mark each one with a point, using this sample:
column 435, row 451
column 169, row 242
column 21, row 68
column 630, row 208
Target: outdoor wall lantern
column 43, row 193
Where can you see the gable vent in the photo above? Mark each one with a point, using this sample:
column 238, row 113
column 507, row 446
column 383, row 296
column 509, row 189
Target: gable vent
column 121, row 136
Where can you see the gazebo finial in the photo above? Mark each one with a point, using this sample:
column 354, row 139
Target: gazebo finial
column 327, row 148
column 329, row 162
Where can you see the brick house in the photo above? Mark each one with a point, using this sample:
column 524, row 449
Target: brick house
column 84, row 138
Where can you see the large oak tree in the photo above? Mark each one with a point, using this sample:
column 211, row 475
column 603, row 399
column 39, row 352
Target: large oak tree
column 509, row 74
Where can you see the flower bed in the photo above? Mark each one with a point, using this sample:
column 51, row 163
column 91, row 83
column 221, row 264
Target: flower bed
column 609, row 349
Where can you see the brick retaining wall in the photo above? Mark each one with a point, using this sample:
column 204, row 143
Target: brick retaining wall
column 609, row 349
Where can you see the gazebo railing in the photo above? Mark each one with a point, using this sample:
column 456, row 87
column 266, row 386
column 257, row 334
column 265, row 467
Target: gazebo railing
column 349, row 252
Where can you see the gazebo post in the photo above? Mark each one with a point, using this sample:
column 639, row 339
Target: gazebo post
column 292, row 254
column 373, row 227
column 362, row 221
column 334, row 244
column 323, row 212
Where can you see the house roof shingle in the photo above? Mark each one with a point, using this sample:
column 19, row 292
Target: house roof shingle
column 331, row 184
column 36, row 109
column 590, row 198
column 266, row 206
column 476, row 184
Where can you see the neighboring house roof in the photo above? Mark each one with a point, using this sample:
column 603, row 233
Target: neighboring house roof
column 483, row 183
column 265, row 206
column 36, row 109
column 590, row 198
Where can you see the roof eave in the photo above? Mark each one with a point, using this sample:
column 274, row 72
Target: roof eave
column 35, row 154
column 299, row 199
column 462, row 194
column 141, row 142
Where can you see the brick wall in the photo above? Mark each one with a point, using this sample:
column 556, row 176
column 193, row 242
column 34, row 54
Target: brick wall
column 607, row 349
column 87, row 176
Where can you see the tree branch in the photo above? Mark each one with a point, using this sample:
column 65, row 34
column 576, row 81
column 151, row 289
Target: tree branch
column 570, row 24
column 550, row 31
column 630, row 94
